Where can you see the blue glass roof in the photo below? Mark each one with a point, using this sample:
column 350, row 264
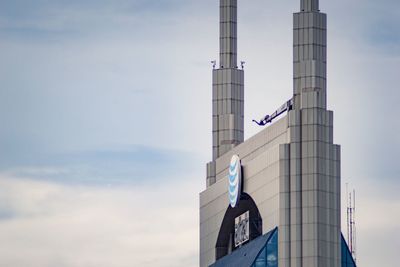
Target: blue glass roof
column 263, row 251
column 347, row 258
column 247, row 254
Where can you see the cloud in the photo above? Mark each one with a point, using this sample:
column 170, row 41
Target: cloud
column 63, row 225
column 112, row 166
column 67, row 21
column 81, row 79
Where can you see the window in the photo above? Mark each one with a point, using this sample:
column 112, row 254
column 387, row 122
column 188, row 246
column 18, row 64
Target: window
column 268, row 257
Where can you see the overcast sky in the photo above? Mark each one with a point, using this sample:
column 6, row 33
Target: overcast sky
column 105, row 114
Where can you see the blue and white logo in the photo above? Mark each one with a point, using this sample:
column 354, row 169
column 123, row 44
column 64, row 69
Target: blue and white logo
column 235, row 180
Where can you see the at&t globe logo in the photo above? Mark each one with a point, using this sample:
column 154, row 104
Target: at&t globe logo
column 235, row 180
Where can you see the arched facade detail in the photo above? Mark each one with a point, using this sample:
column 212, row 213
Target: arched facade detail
column 225, row 244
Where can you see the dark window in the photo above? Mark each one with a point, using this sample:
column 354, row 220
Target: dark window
column 268, row 256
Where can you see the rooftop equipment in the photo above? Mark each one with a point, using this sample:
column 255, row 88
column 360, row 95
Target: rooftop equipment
column 268, row 118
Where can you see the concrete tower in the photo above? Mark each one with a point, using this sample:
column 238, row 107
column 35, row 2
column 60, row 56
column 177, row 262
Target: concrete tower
column 309, row 52
column 310, row 188
column 228, row 91
column 285, row 179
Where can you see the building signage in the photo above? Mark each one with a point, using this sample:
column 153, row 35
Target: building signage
column 235, row 181
column 242, row 224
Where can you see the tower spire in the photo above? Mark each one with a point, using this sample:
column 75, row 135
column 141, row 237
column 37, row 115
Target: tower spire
column 228, row 89
column 309, row 5
column 309, row 56
column 228, row 34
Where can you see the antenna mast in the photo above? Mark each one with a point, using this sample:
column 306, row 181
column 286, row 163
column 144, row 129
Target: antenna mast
column 351, row 223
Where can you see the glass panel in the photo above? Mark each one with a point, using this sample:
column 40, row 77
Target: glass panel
column 272, row 250
column 261, row 260
column 347, row 258
column 268, row 257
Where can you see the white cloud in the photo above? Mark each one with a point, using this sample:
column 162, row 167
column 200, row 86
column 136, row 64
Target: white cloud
column 60, row 225
column 97, row 76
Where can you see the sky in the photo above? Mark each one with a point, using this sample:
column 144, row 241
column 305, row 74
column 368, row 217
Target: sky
column 105, row 114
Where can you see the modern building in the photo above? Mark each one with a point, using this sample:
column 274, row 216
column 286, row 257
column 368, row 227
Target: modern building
column 274, row 199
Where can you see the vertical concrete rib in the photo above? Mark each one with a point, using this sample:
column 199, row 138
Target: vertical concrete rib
column 296, row 217
column 284, row 237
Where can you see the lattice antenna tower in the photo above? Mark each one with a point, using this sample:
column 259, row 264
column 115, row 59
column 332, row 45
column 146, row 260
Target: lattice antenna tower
column 351, row 223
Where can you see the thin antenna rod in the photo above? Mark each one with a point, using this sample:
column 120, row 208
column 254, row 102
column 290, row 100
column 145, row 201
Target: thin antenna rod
column 347, row 209
column 351, row 223
column 354, row 226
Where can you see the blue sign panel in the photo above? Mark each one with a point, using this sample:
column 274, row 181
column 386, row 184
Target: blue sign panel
column 235, row 180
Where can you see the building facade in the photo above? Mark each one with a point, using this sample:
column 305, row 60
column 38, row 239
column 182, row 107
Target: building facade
column 274, row 199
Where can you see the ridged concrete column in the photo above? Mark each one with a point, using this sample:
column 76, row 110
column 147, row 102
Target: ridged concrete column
column 315, row 231
column 309, row 56
column 228, row 90
column 228, row 34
